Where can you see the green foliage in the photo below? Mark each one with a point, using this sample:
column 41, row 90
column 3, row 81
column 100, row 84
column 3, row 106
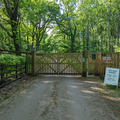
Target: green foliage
column 117, row 49
column 8, row 59
column 90, row 25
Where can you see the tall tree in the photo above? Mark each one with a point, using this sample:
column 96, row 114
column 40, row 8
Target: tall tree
column 12, row 14
column 40, row 16
column 67, row 20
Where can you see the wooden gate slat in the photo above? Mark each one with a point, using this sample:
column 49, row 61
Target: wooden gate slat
column 55, row 63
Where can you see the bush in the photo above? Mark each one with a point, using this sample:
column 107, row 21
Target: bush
column 8, row 59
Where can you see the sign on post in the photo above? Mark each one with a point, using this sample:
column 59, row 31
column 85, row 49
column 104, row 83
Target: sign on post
column 107, row 59
column 83, row 59
column 111, row 76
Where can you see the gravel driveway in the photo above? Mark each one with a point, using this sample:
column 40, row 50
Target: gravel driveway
column 57, row 98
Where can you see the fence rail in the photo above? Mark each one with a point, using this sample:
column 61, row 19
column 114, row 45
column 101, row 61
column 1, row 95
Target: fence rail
column 101, row 62
column 58, row 63
column 10, row 73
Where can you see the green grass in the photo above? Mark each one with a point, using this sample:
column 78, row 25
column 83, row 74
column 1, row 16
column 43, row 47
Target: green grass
column 111, row 87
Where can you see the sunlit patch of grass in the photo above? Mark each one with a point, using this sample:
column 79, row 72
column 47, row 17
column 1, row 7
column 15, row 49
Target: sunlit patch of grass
column 113, row 90
column 110, row 89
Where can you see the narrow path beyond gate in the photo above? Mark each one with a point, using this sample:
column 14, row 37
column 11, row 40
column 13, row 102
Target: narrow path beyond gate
column 58, row 98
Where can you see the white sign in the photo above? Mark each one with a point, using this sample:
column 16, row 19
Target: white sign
column 111, row 76
column 107, row 59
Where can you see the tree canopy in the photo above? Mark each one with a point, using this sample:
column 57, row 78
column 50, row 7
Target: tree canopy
column 60, row 25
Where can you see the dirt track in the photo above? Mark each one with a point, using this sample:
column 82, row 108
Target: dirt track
column 57, row 98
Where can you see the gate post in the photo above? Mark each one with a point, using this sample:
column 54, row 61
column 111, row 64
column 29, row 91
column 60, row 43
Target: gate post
column 84, row 65
column 33, row 62
column 26, row 63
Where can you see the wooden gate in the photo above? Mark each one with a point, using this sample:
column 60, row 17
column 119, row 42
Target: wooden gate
column 58, row 63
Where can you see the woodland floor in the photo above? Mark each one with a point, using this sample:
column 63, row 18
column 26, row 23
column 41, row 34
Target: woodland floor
column 59, row 98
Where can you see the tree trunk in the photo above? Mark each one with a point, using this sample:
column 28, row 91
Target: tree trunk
column 37, row 44
column 12, row 12
column 118, row 36
column 88, row 35
column 72, row 44
column 84, row 42
column 37, row 38
column 33, row 39
column 14, row 27
column 114, row 33
column 109, row 36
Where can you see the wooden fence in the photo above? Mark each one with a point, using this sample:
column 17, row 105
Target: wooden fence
column 11, row 73
column 66, row 63
column 96, row 65
column 104, row 60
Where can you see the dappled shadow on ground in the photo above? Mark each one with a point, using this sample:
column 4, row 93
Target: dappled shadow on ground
column 95, row 86
column 88, row 87
column 65, row 97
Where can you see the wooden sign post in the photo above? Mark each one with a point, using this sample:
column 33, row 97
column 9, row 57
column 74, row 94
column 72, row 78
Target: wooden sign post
column 84, row 67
